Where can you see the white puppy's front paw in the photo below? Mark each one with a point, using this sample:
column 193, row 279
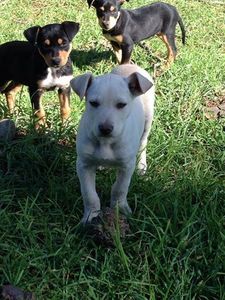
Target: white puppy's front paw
column 124, row 208
column 89, row 216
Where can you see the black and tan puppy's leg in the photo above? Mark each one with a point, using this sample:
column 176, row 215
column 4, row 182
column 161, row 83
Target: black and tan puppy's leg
column 172, row 53
column 169, row 40
column 3, row 85
column 38, row 110
column 118, row 51
column 10, row 92
column 64, row 100
column 126, row 53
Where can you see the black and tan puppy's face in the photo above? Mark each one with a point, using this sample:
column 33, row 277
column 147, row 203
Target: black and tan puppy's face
column 108, row 12
column 53, row 41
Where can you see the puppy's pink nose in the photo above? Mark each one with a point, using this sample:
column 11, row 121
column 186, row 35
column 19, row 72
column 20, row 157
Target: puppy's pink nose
column 105, row 129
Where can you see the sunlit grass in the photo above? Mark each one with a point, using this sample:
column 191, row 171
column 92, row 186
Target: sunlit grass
column 176, row 248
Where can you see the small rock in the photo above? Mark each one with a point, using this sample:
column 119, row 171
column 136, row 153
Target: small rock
column 10, row 292
column 7, row 130
column 212, row 112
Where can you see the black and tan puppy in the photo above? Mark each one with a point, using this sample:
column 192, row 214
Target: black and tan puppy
column 123, row 28
column 43, row 63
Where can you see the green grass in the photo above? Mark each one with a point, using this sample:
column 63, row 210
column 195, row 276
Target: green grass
column 176, row 248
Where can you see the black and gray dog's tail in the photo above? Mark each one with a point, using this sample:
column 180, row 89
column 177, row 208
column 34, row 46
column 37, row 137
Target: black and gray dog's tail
column 183, row 32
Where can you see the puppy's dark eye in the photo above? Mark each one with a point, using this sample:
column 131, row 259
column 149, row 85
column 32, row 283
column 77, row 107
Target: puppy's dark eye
column 120, row 105
column 94, row 103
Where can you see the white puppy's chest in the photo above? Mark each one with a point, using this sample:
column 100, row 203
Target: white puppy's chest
column 105, row 154
column 53, row 80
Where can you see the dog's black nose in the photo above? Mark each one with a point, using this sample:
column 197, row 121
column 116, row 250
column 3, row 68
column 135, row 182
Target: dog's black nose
column 105, row 129
column 56, row 61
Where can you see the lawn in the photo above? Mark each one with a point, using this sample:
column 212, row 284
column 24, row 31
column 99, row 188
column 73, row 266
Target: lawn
column 176, row 245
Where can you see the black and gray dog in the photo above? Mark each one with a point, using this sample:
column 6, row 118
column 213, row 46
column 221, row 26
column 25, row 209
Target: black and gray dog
column 123, row 28
column 42, row 63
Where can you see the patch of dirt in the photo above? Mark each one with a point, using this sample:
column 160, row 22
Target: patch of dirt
column 103, row 229
column 215, row 108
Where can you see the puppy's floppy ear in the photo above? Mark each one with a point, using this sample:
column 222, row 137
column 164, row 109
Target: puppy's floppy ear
column 138, row 84
column 31, row 34
column 71, row 29
column 80, row 84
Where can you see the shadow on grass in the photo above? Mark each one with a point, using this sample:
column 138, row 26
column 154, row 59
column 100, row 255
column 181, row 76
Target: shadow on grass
column 82, row 58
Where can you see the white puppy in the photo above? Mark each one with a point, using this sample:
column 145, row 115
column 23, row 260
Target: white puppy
column 113, row 129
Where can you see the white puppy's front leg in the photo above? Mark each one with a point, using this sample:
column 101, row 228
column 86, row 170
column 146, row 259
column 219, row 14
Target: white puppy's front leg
column 91, row 200
column 120, row 188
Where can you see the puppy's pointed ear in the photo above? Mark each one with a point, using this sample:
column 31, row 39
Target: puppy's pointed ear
column 31, row 34
column 71, row 29
column 91, row 3
column 138, row 84
column 121, row 2
column 80, row 84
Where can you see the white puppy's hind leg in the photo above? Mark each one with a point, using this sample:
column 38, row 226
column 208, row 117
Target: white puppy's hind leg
column 142, row 162
column 86, row 175
column 120, row 189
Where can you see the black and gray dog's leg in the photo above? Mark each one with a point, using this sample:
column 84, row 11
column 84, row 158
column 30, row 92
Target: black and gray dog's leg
column 127, row 49
column 64, row 100
column 10, row 92
column 118, row 51
column 169, row 40
column 35, row 97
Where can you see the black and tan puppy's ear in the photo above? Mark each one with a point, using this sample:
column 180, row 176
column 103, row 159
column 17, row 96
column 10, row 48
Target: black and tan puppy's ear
column 121, row 2
column 138, row 84
column 31, row 34
column 80, row 84
column 71, row 29
column 92, row 3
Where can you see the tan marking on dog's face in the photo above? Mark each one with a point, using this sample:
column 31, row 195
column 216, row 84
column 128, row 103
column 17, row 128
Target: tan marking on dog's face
column 102, row 8
column 47, row 42
column 63, row 55
column 60, row 41
column 112, row 22
column 112, row 8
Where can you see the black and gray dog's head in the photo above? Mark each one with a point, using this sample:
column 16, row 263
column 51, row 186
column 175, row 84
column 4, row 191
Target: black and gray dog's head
column 108, row 11
column 53, row 41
